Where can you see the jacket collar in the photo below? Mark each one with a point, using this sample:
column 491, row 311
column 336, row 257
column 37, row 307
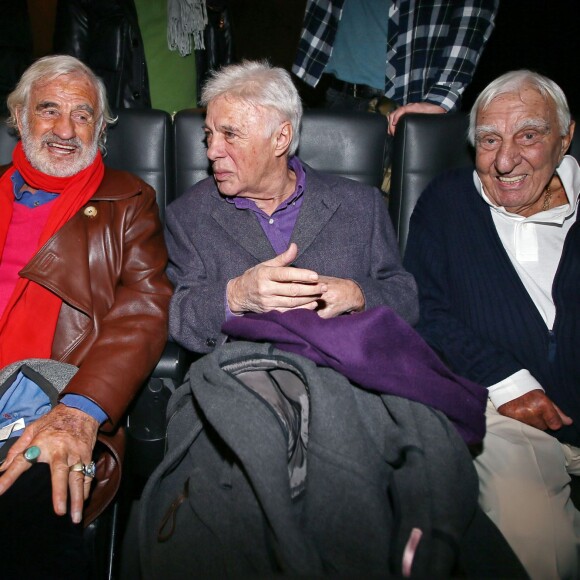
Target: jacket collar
column 317, row 209
column 115, row 185
column 52, row 264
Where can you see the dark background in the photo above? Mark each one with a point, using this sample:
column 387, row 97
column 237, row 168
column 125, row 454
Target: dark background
column 543, row 35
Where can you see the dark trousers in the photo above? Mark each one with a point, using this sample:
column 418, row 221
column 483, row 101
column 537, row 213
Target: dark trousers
column 35, row 543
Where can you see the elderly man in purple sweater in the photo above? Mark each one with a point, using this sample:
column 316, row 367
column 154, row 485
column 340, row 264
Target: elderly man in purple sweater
column 267, row 232
column 496, row 255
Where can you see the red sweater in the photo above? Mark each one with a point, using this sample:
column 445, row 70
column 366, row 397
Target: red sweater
column 21, row 244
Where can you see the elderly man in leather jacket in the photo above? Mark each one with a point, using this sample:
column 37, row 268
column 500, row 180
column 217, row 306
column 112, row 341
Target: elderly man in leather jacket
column 81, row 281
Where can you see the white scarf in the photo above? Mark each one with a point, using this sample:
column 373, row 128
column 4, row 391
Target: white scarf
column 185, row 18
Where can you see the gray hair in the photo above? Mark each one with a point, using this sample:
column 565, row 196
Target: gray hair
column 47, row 69
column 513, row 82
column 262, row 85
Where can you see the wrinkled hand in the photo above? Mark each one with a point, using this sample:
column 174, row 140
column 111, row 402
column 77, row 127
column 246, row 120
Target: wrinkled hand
column 427, row 108
column 535, row 409
column 65, row 436
column 342, row 295
column 274, row 285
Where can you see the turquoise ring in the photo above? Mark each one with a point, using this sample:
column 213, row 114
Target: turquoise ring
column 32, row 454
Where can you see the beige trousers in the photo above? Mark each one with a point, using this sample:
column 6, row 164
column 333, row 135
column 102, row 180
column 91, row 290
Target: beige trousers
column 524, row 488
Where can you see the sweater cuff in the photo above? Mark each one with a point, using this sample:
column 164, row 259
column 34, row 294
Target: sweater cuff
column 86, row 405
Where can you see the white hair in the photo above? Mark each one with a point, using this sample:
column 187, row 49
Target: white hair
column 262, row 85
column 514, row 82
column 45, row 70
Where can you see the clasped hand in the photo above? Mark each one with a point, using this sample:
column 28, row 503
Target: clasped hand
column 276, row 285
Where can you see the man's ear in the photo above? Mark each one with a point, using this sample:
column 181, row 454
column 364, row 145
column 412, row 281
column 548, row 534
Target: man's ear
column 18, row 112
column 283, row 136
column 567, row 139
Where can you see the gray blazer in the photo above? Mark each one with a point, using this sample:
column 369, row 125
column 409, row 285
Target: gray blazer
column 343, row 230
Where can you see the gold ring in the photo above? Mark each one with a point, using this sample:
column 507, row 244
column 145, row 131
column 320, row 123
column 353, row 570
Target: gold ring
column 89, row 470
column 80, row 466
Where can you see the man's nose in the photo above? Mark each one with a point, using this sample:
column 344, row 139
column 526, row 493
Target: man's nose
column 64, row 127
column 508, row 156
column 214, row 148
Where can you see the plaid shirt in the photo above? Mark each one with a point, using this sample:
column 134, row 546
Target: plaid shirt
column 432, row 48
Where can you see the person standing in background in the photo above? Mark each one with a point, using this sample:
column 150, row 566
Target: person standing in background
column 394, row 56
column 106, row 37
column 146, row 51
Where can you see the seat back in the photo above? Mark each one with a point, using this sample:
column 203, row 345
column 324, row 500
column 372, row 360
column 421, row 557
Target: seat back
column 350, row 144
column 7, row 142
column 140, row 142
column 425, row 146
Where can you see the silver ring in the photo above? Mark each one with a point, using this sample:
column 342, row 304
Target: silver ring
column 89, row 470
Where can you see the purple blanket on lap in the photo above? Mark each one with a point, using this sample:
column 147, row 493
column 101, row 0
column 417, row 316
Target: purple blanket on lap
column 378, row 351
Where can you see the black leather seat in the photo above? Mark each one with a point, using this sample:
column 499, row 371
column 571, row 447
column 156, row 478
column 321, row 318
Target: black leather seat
column 424, row 146
column 348, row 144
column 139, row 142
column 7, row 142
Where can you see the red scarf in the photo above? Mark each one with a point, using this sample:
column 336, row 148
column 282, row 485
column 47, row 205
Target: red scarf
column 29, row 320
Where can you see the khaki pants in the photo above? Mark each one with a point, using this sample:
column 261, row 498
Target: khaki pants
column 525, row 489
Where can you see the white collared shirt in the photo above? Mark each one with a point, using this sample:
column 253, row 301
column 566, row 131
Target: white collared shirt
column 534, row 245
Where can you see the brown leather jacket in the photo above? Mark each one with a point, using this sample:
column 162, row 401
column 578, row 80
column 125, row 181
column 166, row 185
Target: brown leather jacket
column 107, row 263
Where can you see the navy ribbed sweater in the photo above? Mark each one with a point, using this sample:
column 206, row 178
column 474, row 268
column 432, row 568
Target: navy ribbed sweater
column 475, row 311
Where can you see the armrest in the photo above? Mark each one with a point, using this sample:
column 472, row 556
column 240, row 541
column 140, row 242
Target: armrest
column 146, row 422
column 173, row 364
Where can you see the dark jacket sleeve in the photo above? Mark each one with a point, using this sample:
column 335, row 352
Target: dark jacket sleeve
column 198, row 307
column 456, row 54
column 105, row 35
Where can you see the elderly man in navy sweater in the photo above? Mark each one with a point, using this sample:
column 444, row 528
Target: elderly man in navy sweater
column 496, row 255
